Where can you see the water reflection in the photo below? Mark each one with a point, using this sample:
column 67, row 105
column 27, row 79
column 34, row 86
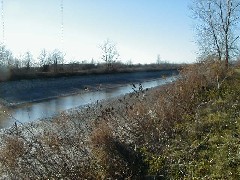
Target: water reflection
column 39, row 110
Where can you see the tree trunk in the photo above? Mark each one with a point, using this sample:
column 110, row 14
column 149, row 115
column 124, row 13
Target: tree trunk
column 227, row 51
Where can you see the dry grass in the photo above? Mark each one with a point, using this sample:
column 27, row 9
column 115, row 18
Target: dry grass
column 123, row 141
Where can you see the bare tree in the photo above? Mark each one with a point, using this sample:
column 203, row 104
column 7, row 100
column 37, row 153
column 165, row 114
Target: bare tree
column 43, row 57
column 6, row 56
column 28, row 60
column 129, row 62
column 159, row 60
column 56, row 58
column 217, row 23
column 16, row 63
column 109, row 53
column 44, row 60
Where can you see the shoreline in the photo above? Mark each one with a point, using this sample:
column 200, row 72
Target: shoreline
column 90, row 72
column 80, row 108
column 32, row 91
column 86, row 113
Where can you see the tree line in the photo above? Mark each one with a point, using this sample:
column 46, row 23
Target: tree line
column 26, row 60
column 55, row 59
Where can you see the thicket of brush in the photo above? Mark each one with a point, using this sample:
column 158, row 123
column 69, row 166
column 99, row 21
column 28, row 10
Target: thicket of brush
column 188, row 129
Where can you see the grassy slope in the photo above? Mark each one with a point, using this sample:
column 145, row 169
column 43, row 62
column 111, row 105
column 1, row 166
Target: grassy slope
column 207, row 143
column 196, row 136
column 179, row 132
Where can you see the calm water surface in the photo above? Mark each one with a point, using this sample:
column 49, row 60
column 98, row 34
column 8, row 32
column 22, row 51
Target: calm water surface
column 48, row 108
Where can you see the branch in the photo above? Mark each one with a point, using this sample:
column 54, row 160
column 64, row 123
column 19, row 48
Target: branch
column 234, row 41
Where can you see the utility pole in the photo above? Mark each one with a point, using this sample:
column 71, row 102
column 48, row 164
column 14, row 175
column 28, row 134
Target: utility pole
column 3, row 23
column 62, row 25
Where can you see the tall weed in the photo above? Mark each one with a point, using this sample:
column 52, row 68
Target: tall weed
column 128, row 139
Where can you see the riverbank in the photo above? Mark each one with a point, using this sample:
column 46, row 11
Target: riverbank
column 24, row 91
column 185, row 130
column 33, row 111
column 89, row 111
column 71, row 70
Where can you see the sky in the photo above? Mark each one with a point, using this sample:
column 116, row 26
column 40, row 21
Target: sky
column 141, row 29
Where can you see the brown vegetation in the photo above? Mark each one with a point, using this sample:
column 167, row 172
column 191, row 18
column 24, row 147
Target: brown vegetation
column 129, row 140
column 76, row 69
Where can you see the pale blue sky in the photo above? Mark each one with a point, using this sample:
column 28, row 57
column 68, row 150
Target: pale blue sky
column 141, row 29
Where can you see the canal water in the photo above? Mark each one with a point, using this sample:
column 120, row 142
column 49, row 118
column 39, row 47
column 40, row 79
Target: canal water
column 47, row 108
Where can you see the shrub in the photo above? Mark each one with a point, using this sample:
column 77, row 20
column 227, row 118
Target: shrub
column 164, row 132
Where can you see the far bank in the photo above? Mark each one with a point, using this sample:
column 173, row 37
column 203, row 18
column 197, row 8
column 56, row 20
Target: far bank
column 24, row 91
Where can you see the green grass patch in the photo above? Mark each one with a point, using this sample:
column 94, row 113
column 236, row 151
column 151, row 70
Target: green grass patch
column 205, row 144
